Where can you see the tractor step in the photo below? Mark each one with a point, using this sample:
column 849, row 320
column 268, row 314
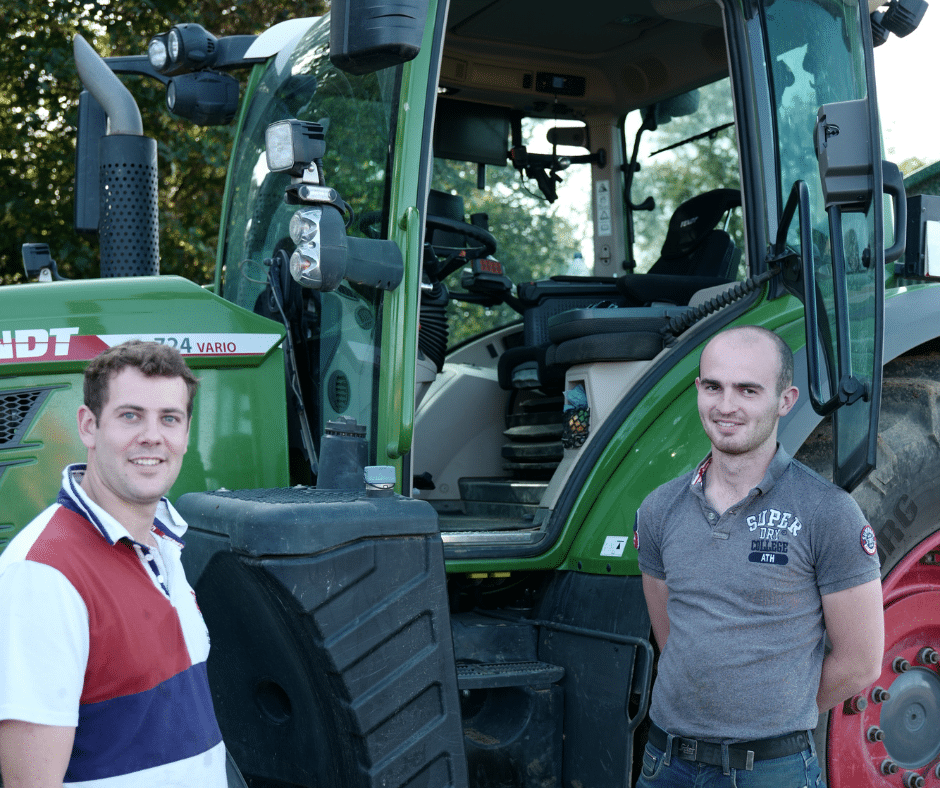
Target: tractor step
column 501, row 498
column 471, row 675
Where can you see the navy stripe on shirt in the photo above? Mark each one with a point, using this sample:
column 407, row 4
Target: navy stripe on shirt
column 168, row 723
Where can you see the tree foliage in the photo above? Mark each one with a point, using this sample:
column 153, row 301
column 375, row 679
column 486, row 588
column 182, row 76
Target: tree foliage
column 39, row 93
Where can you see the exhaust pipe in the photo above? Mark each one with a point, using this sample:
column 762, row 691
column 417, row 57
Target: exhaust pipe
column 129, row 224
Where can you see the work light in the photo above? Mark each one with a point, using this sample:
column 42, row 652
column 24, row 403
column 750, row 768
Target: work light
column 293, row 145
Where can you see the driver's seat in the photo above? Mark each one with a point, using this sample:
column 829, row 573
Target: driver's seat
column 696, row 253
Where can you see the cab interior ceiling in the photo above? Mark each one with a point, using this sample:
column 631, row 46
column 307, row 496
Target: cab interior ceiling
column 629, row 53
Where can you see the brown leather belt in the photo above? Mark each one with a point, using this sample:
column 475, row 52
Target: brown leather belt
column 741, row 755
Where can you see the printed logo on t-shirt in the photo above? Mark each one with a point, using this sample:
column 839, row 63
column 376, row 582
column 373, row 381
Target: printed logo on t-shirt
column 772, row 519
column 771, row 527
column 869, row 544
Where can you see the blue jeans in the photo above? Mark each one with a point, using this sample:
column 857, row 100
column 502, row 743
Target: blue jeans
column 800, row 770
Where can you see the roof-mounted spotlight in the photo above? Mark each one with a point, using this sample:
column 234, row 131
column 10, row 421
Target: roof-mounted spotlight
column 187, row 47
column 207, row 98
column 903, row 16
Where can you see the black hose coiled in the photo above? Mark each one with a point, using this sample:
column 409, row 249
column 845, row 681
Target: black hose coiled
column 680, row 323
column 432, row 324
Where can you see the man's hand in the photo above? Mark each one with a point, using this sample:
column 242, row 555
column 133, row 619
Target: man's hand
column 34, row 756
column 855, row 625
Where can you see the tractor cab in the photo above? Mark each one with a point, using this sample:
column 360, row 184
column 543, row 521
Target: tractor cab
column 578, row 207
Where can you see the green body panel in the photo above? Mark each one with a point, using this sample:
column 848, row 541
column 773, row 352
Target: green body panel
column 400, row 308
column 236, row 437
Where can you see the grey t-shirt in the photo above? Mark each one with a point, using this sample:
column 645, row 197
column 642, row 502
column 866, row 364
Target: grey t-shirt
column 746, row 630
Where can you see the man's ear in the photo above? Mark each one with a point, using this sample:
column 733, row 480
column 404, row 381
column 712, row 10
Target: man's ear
column 87, row 426
column 788, row 398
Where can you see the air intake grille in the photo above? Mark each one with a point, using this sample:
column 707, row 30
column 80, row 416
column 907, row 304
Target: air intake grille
column 18, row 409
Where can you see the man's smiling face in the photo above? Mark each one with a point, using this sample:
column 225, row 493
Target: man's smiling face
column 738, row 398
column 136, row 447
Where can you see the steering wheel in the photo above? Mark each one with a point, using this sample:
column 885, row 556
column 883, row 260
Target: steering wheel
column 485, row 240
column 486, row 243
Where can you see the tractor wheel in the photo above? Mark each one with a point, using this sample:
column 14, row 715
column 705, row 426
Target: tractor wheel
column 889, row 735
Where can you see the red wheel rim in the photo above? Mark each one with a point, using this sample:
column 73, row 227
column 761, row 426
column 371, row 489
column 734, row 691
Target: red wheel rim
column 909, row 720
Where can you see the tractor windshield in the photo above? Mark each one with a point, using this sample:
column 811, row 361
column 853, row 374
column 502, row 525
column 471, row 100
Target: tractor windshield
column 334, row 335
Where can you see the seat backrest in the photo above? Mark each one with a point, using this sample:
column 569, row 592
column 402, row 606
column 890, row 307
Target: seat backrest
column 695, row 254
column 691, row 247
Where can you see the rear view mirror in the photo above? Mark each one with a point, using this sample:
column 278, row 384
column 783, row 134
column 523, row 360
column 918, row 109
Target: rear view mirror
column 680, row 106
column 369, row 35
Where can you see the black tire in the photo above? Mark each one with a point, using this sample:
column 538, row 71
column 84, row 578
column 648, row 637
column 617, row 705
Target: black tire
column 901, row 497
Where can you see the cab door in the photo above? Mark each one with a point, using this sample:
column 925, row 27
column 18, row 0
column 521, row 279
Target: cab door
column 830, row 238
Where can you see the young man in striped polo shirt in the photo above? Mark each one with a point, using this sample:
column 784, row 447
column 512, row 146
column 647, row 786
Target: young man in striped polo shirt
column 102, row 645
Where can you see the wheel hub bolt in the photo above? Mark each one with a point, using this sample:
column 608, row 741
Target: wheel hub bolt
column 900, row 665
column 927, row 656
column 879, row 695
column 855, row 705
column 889, row 767
column 875, row 734
column 913, row 780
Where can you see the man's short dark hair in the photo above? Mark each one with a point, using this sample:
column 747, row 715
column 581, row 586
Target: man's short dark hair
column 151, row 358
column 784, row 354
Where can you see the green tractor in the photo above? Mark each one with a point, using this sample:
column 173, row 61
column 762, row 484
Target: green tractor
column 469, row 254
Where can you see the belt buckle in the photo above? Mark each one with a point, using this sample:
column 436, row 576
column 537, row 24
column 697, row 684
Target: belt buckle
column 749, row 761
column 688, row 749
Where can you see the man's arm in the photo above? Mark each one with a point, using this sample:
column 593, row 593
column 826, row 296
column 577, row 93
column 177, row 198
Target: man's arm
column 855, row 625
column 34, row 756
column 657, row 595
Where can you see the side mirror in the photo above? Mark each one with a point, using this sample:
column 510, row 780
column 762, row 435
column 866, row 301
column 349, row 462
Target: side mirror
column 369, row 35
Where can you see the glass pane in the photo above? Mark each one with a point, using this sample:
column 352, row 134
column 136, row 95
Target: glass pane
column 336, row 333
column 536, row 238
column 801, row 85
column 684, row 156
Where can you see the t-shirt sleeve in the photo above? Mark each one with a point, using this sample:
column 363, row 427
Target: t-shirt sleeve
column 646, row 540
column 845, row 550
column 43, row 645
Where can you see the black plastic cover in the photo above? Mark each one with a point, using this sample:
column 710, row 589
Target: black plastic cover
column 369, row 35
column 844, row 150
column 331, row 661
column 92, row 123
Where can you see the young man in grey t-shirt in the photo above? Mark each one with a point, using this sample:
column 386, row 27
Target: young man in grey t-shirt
column 748, row 563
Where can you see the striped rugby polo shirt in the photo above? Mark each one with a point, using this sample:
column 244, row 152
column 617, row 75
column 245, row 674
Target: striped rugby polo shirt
column 102, row 633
